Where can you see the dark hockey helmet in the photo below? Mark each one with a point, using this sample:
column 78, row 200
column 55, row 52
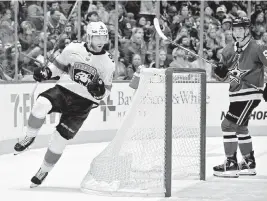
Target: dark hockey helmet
column 241, row 22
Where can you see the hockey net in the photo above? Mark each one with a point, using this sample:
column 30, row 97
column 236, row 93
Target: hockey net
column 161, row 138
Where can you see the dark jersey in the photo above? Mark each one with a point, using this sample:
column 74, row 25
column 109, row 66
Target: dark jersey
column 248, row 66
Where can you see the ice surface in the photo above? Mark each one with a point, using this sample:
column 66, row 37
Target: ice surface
column 63, row 181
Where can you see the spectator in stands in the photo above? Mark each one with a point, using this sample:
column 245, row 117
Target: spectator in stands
column 7, row 20
column 120, row 71
column 35, row 14
column 228, row 37
column 149, row 59
column 226, row 24
column 179, row 59
column 163, row 62
column 233, row 12
column 68, row 31
column 8, row 64
column 208, row 11
column 148, row 7
column 264, row 38
column 257, row 10
column 92, row 17
column 130, row 72
column 212, row 40
column 102, row 13
column 124, row 24
column 135, row 45
column 181, row 33
column 199, row 63
column 54, row 27
column 56, row 6
column 221, row 13
column 26, row 35
column 136, row 61
column 184, row 11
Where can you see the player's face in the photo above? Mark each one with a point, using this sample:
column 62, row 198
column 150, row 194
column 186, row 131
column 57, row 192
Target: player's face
column 98, row 42
column 239, row 33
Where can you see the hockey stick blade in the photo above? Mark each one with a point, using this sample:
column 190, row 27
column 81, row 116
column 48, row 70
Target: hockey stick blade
column 161, row 34
column 158, row 29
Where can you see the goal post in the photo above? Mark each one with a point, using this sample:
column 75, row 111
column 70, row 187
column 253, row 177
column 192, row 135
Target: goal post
column 162, row 137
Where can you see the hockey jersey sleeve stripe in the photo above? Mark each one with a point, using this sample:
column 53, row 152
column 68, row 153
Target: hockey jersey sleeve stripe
column 245, row 93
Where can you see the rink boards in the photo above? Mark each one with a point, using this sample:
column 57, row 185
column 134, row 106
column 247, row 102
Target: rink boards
column 102, row 123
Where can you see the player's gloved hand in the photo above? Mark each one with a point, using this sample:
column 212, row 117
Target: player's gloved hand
column 221, row 70
column 97, row 88
column 265, row 93
column 41, row 74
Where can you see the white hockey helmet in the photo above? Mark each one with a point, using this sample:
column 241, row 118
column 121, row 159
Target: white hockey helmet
column 96, row 29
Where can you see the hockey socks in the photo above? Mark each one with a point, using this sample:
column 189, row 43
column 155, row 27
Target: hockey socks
column 54, row 152
column 248, row 164
column 230, row 143
column 35, row 122
column 49, row 162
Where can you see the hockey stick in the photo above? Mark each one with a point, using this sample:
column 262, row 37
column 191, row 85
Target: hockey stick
column 161, row 34
column 25, row 55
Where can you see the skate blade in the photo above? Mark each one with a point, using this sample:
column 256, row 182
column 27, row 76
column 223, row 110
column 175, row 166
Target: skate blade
column 20, row 152
column 247, row 172
column 227, row 174
column 33, row 185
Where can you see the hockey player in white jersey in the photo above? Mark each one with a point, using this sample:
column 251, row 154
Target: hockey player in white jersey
column 86, row 72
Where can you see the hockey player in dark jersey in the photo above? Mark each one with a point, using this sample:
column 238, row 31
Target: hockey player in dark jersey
column 86, row 72
column 242, row 63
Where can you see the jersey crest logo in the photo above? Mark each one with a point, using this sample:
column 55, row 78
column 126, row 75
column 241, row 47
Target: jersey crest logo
column 83, row 73
column 236, row 74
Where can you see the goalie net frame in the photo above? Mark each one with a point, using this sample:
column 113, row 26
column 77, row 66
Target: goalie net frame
column 168, row 124
column 168, row 73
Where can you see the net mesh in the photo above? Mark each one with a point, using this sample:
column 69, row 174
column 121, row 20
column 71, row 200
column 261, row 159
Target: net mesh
column 134, row 161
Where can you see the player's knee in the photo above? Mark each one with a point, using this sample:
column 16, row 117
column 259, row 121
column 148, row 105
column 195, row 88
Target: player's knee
column 41, row 107
column 228, row 126
column 242, row 130
column 57, row 143
column 65, row 131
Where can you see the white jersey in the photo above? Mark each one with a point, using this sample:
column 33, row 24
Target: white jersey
column 77, row 66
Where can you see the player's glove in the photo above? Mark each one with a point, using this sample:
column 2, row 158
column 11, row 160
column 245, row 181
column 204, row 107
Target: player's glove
column 97, row 89
column 221, row 70
column 41, row 74
column 265, row 93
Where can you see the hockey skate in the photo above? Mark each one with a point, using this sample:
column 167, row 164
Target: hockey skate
column 23, row 145
column 229, row 169
column 247, row 165
column 38, row 178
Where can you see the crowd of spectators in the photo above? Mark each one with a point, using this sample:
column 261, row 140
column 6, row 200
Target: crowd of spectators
column 180, row 20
